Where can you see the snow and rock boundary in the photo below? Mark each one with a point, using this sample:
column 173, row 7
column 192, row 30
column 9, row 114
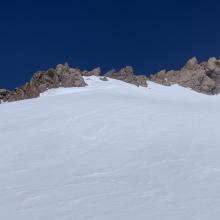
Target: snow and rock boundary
column 201, row 77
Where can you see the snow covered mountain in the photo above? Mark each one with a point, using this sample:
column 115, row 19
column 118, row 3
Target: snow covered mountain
column 111, row 151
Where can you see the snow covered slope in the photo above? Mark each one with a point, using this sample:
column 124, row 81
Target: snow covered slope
column 111, row 151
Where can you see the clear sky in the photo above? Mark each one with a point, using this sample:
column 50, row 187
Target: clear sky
column 148, row 35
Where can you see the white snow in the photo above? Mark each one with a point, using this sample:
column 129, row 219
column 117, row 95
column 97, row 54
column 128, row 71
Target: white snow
column 111, row 151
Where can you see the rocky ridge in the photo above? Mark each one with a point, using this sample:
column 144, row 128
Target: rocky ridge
column 61, row 76
column 201, row 77
column 65, row 76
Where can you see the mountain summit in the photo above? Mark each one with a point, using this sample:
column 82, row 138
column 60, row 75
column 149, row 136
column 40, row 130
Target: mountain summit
column 202, row 77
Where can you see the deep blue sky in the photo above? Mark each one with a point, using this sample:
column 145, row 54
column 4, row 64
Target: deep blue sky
column 149, row 35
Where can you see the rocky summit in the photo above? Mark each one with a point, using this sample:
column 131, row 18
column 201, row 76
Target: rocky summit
column 201, row 77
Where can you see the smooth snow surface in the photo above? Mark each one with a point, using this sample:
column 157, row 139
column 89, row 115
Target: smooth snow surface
column 111, row 151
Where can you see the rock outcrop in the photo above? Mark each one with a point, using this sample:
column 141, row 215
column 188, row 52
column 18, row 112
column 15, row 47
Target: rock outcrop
column 65, row 76
column 94, row 72
column 202, row 77
column 61, row 76
column 127, row 75
column 3, row 94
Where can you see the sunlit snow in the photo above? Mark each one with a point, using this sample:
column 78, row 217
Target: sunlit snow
column 111, row 151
